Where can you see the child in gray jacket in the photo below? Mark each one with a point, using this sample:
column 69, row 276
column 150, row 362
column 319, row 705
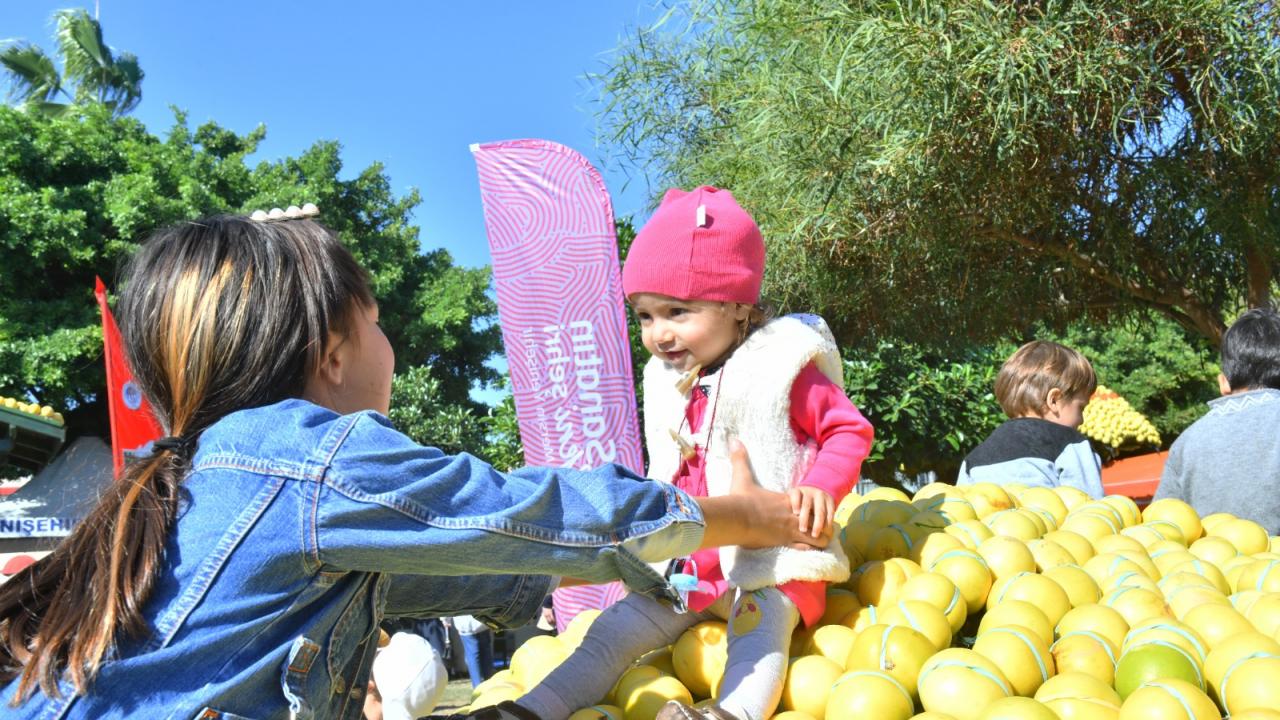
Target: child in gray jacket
column 1043, row 388
column 1229, row 460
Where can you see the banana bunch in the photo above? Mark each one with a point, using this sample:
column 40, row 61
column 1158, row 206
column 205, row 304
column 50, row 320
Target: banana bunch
column 44, row 412
column 1112, row 421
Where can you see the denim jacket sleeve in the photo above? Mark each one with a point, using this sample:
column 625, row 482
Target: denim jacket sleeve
column 387, row 504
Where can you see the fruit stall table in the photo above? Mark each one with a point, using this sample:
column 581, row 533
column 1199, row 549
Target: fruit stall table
column 28, row 440
column 1136, row 477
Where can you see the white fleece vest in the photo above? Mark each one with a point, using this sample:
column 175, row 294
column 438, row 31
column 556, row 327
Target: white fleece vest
column 751, row 400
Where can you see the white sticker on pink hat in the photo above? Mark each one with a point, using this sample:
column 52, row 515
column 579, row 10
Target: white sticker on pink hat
column 702, row 216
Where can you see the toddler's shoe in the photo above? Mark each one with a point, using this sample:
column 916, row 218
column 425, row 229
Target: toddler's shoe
column 507, row 710
column 676, row 710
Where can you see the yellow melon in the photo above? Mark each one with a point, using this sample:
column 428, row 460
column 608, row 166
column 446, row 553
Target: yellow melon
column 1038, row 590
column 865, row 694
column 960, row 682
column 1086, row 652
column 1017, row 612
column 1006, row 556
column 1246, row 536
column 970, row 532
column 1231, row 651
column 921, row 617
column 1251, row 683
column 808, row 684
column 832, row 642
column 1216, row 623
column 932, row 546
column 1078, row 545
column 647, row 698
column 1078, row 584
column 1137, row 604
column 699, row 657
column 1168, row 700
column 1072, row 497
column 1020, row 653
column 1045, row 499
column 1074, row 696
column 1104, row 620
column 1177, row 512
column 969, row 572
column 895, row 650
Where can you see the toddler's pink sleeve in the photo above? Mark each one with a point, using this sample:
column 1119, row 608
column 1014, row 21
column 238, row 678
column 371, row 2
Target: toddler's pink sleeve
column 820, row 410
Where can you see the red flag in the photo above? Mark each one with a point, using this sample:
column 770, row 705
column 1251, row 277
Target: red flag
column 132, row 423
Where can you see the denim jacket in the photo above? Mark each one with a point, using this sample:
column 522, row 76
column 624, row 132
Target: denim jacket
column 299, row 529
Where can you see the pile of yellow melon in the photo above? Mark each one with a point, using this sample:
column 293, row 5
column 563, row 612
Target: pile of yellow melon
column 45, row 412
column 994, row 603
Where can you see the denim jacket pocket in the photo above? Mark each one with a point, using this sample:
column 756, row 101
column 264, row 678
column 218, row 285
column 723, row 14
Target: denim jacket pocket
column 357, row 624
column 215, row 714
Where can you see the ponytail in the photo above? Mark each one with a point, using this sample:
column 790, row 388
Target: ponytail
column 65, row 612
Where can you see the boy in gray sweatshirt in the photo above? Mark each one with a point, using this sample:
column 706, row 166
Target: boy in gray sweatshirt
column 1229, row 460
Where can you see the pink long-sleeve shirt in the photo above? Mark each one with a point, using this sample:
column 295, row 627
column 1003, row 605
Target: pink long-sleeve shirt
column 819, row 411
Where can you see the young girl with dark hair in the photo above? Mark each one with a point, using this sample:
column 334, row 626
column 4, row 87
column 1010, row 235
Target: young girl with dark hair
column 241, row 569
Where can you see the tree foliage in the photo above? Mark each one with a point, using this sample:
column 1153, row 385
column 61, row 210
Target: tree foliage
column 959, row 170
column 928, row 408
column 78, row 192
column 931, row 407
column 419, row 410
column 91, row 71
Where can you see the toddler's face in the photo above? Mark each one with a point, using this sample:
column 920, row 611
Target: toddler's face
column 685, row 333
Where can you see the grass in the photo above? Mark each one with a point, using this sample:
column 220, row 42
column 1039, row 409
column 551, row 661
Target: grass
column 457, row 694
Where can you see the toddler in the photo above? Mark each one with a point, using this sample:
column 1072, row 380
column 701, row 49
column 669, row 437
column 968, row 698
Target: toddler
column 720, row 371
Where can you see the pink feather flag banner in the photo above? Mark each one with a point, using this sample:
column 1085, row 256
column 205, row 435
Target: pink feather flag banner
column 564, row 326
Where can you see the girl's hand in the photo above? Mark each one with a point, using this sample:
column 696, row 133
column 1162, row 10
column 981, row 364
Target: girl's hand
column 815, row 508
column 752, row 517
column 771, row 519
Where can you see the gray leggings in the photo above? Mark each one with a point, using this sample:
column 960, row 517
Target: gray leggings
column 759, row 640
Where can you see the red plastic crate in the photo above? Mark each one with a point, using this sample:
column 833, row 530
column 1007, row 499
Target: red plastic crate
column 1136, row 477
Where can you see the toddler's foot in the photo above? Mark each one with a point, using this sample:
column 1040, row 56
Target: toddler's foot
column 502, row 711
column 676, row 710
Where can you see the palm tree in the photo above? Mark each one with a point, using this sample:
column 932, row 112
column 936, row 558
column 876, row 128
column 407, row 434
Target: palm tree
column 91, row 73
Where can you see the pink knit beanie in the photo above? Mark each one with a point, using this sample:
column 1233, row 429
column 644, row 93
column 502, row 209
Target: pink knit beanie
column 699, row 245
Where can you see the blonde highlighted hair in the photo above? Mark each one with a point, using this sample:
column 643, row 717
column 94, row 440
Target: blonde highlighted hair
column 1025, row 379
column 217, row 315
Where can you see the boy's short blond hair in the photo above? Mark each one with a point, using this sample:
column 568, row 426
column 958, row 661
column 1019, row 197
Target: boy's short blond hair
column 1025, row 379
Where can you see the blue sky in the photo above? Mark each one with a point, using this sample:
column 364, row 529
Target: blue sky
column 408, row 84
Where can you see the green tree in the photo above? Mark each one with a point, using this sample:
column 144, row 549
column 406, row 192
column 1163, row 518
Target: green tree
column 502, row 447
column 960, row 170
column 928, row 408
column 419, row 410
column 931, row 407
column 78, row 192
column 91, row 71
